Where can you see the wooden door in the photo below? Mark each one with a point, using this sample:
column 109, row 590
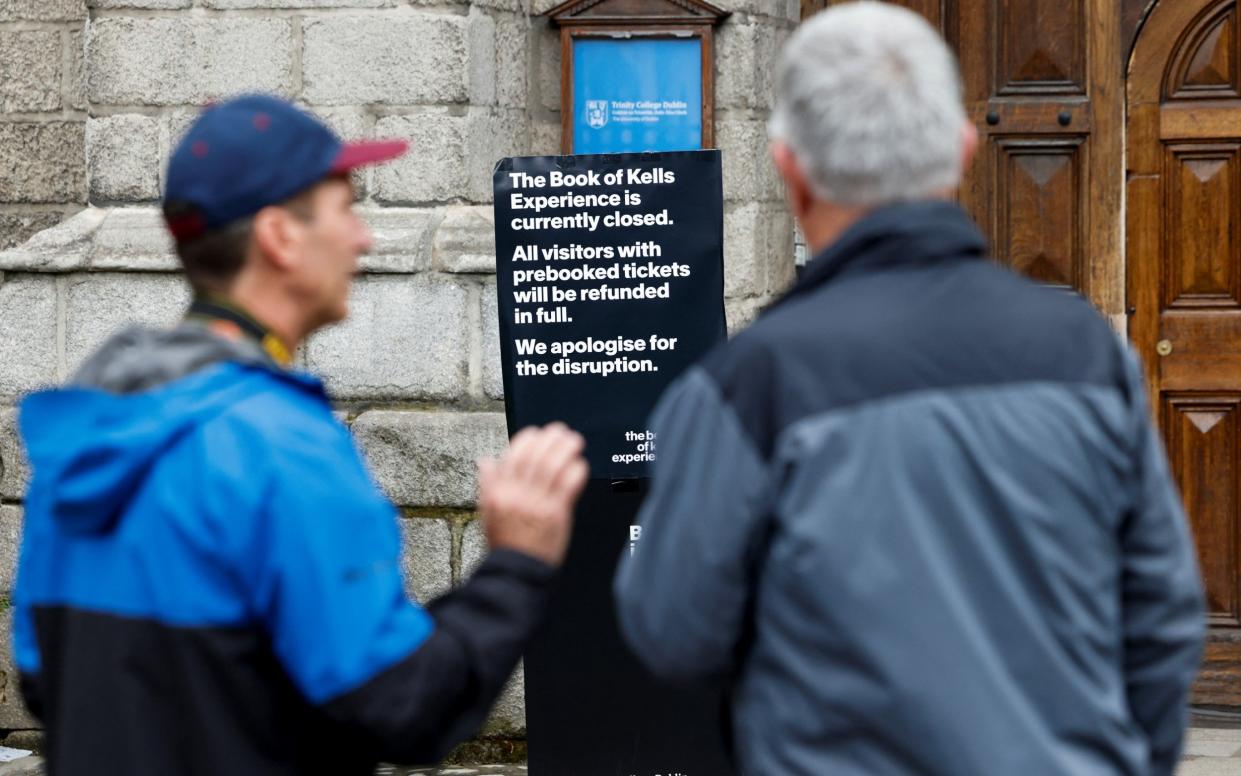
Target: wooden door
column 1042, row 84
column 1184, row 284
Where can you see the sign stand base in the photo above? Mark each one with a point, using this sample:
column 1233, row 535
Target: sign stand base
column 591, row 708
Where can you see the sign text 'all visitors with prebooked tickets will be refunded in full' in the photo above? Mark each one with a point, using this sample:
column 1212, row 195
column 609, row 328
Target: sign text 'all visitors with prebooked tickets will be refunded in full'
column 610, row 283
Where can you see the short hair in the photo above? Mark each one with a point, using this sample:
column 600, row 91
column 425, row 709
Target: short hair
column 213, row 259
column 868, row 98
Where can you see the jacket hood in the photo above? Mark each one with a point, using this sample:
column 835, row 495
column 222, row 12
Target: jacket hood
column 92, row 443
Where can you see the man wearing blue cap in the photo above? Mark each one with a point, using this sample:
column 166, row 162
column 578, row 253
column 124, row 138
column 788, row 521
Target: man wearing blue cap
column 209, row 580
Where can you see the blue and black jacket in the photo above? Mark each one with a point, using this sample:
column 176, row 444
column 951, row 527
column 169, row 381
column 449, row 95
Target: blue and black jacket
column 209, row 580
column 919, row 517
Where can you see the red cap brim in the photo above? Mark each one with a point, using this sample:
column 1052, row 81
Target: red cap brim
column 366, row 152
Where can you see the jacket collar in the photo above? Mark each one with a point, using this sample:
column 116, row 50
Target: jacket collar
column 902, row 235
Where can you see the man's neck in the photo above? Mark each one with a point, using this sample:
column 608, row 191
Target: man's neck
column 823, row 225
column 263, row 299
column 231, row 318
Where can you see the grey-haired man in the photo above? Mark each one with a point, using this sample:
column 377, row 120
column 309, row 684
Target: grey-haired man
column 917, row 514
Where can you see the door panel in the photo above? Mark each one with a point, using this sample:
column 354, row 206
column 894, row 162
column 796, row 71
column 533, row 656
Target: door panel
column 1040, row 80
column 1199, row 267
column 1043, row 86
column 1184, row 285
column 1041, row 47
column 1202, row 435
column 1037, row 199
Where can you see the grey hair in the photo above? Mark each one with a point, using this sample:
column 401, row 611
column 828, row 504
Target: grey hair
column 869, row 101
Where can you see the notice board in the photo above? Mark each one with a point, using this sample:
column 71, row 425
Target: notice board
column 610, row 284
column 637, row 95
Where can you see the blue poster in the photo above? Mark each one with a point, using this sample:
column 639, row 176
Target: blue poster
column 637, row 95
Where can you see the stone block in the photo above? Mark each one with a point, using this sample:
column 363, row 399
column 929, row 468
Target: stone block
column 777, row 10
column 740, row 313
column 133, row 239
column 492, row 136
column 42, row 10
column 174, row 124
column 743, row 270
column 451, row 156
column 474, row 550
column 544, row 139
column 65, row 246
column 749, row 53
column 426, row 557
column 13, row 714
column 122, row 158
column 405, row 60
column 14, row 468
column 406, row 338
column 518, row 6
column 18, row 226
column 43, row 162
column 512, row 47
column 27, row 334
column 403, row 238
column 427, row 458
column 30, row 62
column 182, row 60
column 349, row 124
column 493, row 376
column 465, row 240
column 10, row 543
column 481, row 39
column 508, row 716
column 758, row 248
column 749, row 174
column 77, row 70
column 98, row 305
column 151, row 4
column 548, row 66
column 782, row 254
column 436, row 167
column 231, row 4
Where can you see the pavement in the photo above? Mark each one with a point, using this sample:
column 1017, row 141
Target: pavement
column 1212, row 751
column 455, row 770
column 1209, row 751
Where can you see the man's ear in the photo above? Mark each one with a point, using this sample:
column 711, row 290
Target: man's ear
column 969, row 144
column 277, row 236
column 797, row 187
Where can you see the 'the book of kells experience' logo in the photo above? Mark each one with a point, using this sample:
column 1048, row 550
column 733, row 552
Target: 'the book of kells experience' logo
column 597, row 113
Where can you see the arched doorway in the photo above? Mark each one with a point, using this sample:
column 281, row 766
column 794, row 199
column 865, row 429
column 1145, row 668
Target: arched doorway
column 1183, row 237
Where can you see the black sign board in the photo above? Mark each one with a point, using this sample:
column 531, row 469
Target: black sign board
column 610, row 282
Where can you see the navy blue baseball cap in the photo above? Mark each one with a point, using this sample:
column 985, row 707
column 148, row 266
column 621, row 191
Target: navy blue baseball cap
column 253, row 151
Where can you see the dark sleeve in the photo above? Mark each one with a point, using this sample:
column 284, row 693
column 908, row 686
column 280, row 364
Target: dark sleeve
column 323, row 567
column 32, row 694
column 709, row 491
column 26, row 656
column 440, row 694
column 1162, row 598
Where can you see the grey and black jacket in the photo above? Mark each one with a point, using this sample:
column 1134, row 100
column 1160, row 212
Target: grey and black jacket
column 918, row 517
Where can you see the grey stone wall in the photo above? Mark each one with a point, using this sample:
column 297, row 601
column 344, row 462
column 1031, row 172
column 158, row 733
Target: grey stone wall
column 85, row 135
column 42, row 115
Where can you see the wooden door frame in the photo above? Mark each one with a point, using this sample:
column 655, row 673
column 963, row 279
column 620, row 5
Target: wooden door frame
column 1158, row 41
